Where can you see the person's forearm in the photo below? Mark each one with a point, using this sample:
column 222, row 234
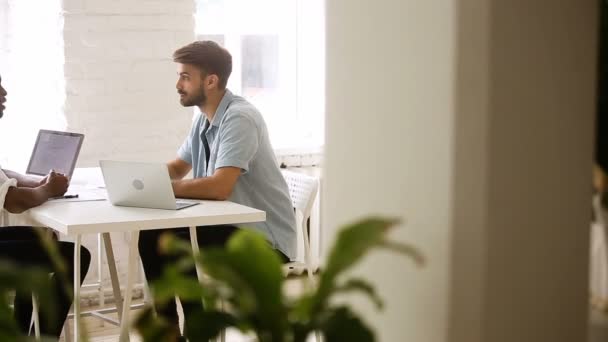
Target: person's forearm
column 178, row 169
column 176, row 174
column 20, row 199
column 22, row 180
column 201, row 188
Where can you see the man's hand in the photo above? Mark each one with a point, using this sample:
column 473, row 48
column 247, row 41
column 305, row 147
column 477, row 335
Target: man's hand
column 56, row 184
column 42, row 181
column 219, row 186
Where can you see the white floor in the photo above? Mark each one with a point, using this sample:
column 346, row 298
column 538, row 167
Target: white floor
column 598, row 330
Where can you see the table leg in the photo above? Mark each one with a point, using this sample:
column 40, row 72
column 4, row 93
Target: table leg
column 36, row 317
column 199, row 272
column 125, row 322
column 77, row 319
column 102, row 299
column 66, row 330
column 196, row 251
column 107, row 242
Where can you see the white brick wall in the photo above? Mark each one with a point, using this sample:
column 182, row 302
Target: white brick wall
column 120, row 77
column 120, row 84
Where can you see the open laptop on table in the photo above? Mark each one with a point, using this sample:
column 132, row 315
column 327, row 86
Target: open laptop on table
column 55, row 150
column 142, row 185
column 58, row 151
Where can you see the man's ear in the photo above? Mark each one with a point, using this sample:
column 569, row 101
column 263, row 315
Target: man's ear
column 212, row 81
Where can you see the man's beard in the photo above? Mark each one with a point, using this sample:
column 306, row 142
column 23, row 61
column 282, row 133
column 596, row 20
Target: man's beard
column 197, row 99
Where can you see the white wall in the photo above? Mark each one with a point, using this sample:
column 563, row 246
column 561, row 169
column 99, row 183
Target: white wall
column 120, row 78
column 472, row 120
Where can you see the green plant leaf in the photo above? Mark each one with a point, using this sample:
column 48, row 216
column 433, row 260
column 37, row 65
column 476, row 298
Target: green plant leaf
column 357, row 284
column 173, row 282
column 342, row 324
column 352, row 243
column 247, row 275
column 28, row 280
column 252, row 269
column 404, row 249
column 202, row 325
column 228, row 282
column 153, row 329
column 301, row 330
column 8, row 327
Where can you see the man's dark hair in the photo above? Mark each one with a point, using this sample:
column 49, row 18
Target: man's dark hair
column 207, row 55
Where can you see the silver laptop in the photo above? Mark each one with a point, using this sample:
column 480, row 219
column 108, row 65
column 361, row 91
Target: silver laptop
column 142, row 185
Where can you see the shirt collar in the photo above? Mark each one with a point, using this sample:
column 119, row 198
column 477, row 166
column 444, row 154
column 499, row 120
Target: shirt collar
column 221, row 108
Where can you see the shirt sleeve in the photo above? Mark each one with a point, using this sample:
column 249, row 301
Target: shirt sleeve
column 5, row 183
column 238, row 142
column 185, row 151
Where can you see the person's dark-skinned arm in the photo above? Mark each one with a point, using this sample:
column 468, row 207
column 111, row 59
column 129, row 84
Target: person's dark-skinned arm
column 24, row 181
column 217, row 187
column 19, row 199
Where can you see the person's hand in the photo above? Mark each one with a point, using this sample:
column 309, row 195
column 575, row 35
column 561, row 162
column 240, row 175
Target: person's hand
column 55, row 183
column 43, row 180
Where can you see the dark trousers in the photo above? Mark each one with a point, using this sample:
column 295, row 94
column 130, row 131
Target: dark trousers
column 22, row 246
column 154, row 262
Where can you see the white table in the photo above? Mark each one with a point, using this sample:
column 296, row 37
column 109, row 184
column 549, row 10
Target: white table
column 93, row 217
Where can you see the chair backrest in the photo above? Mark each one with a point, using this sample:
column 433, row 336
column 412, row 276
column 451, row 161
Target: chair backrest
column 302, row 190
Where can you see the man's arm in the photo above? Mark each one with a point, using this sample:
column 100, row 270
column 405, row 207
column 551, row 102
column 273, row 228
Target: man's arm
column 178, row 168
column 23, row 180
column 216, row 187
column 19, row 199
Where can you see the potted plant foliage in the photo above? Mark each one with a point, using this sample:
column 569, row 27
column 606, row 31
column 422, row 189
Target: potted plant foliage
column 247, row 276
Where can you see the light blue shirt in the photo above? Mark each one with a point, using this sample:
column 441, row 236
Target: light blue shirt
column 238, row 137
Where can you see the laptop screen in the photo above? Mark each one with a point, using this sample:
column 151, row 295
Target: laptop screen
column 55, row 151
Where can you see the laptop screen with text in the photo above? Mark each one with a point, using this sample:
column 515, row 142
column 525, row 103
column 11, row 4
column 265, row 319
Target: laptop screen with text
column 55, row 150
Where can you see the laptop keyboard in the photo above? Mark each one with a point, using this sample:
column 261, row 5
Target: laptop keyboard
column 184, row 204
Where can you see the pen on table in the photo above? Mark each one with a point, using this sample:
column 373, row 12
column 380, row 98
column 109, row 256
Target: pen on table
column 66, row 196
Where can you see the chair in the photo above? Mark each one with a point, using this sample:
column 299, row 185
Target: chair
column 303, row 191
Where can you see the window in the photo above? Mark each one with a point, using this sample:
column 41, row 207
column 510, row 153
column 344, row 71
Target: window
column 31, row 66
column 278, row 49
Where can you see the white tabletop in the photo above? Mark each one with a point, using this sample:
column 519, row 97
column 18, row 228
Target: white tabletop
column 90, row 217
column 72, row 218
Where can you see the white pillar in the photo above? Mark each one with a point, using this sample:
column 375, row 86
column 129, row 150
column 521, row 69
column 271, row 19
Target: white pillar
column 473, row 120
